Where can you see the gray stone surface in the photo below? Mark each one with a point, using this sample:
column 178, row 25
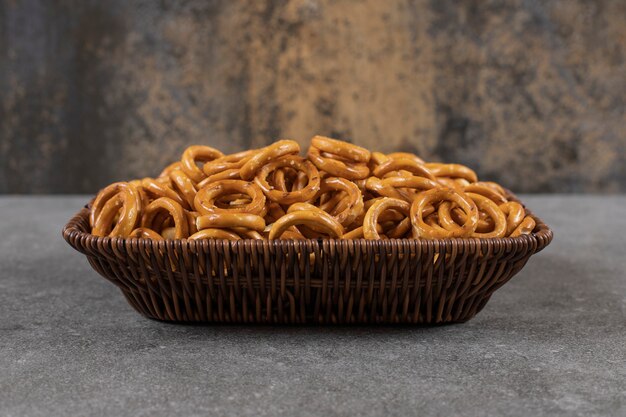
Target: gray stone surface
column 550, row 342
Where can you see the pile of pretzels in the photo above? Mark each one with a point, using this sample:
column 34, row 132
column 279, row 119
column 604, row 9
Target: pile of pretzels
column 339, row 191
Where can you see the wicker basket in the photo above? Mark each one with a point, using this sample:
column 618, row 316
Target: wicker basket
column 307, row 281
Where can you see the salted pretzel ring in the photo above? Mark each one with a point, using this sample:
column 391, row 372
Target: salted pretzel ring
column 306, row 215
column 526, row 227
column 485, row 223
column 159, row 189
column 353, row 205
column 405, row 164
column 145, row 233
column 267, row 154
column 195, row 154
column 396, row 187
column 175, row 210
column 205, row 199
column 289, row 197
column 484, row 204
column 336, row 167
column 184, row 185
column 121, row 200
column 214, row 234
column 485, row 190
column 370, row 222
column 285, row 179
column 422, row 230
column 344, row 149
column 452, row 171
column 229, row 220
column 396, row 155
column 514, row 213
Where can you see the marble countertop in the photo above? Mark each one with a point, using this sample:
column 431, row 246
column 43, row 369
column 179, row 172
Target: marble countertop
column 550, row 342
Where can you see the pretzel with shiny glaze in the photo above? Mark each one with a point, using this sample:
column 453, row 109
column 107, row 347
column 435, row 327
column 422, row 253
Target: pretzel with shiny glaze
column 437, row 195
column 294, row 196
column 175, row 210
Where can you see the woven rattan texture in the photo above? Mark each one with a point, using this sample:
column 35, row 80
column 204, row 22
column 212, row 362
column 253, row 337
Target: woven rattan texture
column 307, row 281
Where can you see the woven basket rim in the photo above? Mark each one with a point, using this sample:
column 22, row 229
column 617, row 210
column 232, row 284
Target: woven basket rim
column 543, row 235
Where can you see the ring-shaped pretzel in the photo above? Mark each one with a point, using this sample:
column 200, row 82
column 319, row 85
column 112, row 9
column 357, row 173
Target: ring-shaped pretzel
column 302, row 214
column 493, row 225
column 343, row 149
column 337, row 168
column 230, row 220
column 353, row 205
column 158, row 189
column 119, row 199
column 487, row 191
column 526, row 227
column 175, row 210
column 205, row 199
column 232, row 161
column 493, row 211
column 396, row 155
column 184, row 185
column 514, row 213
column 430, row 198
column 485, row 223
column 195, row 154
column 214, row 234
column 266, row 155
column 452, row 171
column 295, row 196
column 406, row 164
column 396, row 187
column 370, row 222
column 145, row 233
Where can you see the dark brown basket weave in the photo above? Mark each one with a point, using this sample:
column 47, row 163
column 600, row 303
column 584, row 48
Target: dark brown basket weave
column 307, row 281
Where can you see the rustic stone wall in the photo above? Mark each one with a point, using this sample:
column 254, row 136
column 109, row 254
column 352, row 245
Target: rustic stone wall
column 529, row 93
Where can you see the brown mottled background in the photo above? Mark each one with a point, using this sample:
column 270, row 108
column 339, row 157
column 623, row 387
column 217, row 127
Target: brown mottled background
column 529, row 93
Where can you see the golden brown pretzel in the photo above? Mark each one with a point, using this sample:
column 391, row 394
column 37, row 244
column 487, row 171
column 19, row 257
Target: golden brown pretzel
column 176, row 212
column 227, row 162
column 195, row 154
column 437, row 195
column 352, row 205
column 158, row 189
column 486, row 205
column 493, row 225
column 452, row 171
column 343, row 149
column 266, row 155
column 373, row 214
column 214, row 234
column 145, row 233
column 183, row 185
column 396, row 155
column 230, row 220
column 121, row 200
column 487, row 191
column 514, row 213
column 289, row 197
column 400, row 187
column 526, row 227
column 336, row 167
column 404, row 164
column 205, row 199
column 306, row 215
